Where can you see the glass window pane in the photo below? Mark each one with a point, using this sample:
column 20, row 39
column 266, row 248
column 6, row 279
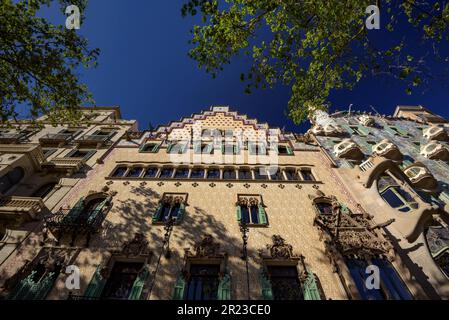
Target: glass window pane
column 197, row 174
column 245, row 174
column 213, row 174
column 254, row 214
column 258, row 175
column 392, row 199
column 119, row 172
column 166, row 173
column 182, row 173
column 285, row 282
column 134, row 172
column 150, row 173
column 229, row 174
column 245, row 214
column 291, row 174
column 307, row 175
column 203, row 282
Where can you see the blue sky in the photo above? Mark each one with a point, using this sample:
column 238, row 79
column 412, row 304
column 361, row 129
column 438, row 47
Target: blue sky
column 144, row 68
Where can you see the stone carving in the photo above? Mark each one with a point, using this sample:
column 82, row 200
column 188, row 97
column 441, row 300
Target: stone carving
column 138, row 246
column 206, row 248
column 280, row 249
column 351, row 234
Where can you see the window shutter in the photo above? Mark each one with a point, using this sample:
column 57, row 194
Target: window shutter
column 267, row 290
column 22, row 289
column 156, row 148
column 157, row 213
column 289, row 151
column 136, row 290
column 224, row 288
column 348, row 129
column 310, row 288
column 209, row 148
column 262, row 215
column 169, row 147
column 75, row 212
column 94, row 214
column 180, row 287
column 142, row 147
column 401, row 131
column 239, row 214
column 444, row 196
column 182, row 210
column 89, row 155
column 363, row 130
column 236, row 149
column 262, row 150
column 43, row 288
column 223, row 148
column 185, row 147
column 96, row 284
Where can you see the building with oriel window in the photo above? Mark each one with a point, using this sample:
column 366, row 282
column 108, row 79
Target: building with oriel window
column 397, row 168
column 218, row 206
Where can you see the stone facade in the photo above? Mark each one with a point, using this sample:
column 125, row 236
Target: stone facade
column 156, row 214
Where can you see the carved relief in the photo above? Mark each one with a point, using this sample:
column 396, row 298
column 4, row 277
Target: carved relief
column 206, row 248
column 138, row 246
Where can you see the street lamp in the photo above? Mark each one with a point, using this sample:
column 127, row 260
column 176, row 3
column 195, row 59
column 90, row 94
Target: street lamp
column 244, row 231
column 168, row 227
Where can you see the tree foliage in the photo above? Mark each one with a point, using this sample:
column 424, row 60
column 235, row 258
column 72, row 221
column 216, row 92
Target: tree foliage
column 38, row 61
column 313, row 46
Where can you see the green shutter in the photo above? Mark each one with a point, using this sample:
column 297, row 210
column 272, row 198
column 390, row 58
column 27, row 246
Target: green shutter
column 180, row 287
column 182, row 210
column 444, row 196
column 142, row 147
column 89, row 155
column 236, row 149
column 363, row 130
column 262, row 215
column 156, row 148
column 157, row 213
column 223, row 148
column 348, row 129
column 263, row 150
column 94, row 214
column 136, row 290
column 209, row 148
column 30, row 290
column 310, row 288
column 169, row 147
column 96, row 284
column 239, row 214
column 75, row 212
column 224, row 288
column 267, row 290
column 401, row 131
column 289, row 151
column 185, row 147
column 344, row 208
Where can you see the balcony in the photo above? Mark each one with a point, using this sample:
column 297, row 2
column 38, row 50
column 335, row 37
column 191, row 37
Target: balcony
column 67, row 165
column 435, row 151
column 10, row 137
column 56, row 138
column 93, row 139
column 328, row 130
column 387, row 149
column 78, row 220
column 421, row 177
column 20, row 209
column 367, row 121
column 435, row 133
column 348, row 149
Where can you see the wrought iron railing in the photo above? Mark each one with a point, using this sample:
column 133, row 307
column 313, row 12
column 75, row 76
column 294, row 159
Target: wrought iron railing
column 58, row 137
column 11, row 137
column 76, row 219
column 93, row 138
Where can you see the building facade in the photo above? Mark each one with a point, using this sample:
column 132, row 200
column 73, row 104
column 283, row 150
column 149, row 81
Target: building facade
column 219, row 206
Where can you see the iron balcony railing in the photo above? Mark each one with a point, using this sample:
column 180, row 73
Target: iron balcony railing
column 94, row 138
column 56, row 137
column 67, row 220
column 10, row 137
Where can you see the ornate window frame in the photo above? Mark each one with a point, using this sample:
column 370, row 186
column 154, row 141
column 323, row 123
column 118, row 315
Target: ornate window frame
column 171, row 199
column 252, row 200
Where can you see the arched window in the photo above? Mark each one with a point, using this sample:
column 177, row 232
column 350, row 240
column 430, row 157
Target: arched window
column 391, row 285
column 197, row 173
column 134, row 172
column 394, row 194
column 44, row 190
column 119, row 172
column 182, row 173
column 213, row 174
column 166, row 173
column 151, row 172
column 291, row 174
column 229, row 173
column 245, row 174
column 10, row 179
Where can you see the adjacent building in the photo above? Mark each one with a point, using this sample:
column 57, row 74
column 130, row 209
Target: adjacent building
column 220, row 206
